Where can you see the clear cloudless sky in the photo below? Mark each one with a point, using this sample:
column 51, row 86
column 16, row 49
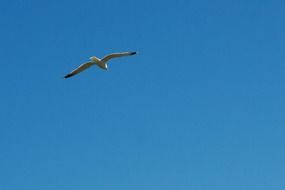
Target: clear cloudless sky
column 201, row 106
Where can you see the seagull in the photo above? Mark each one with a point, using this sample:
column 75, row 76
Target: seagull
column 102, row 63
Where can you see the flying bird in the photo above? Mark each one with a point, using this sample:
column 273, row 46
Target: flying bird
column 102, row 63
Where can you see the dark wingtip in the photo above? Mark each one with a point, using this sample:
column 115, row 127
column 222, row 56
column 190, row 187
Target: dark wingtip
column 67, row 76
column 133, row 53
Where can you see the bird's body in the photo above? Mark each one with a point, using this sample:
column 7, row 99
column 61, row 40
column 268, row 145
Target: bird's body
column 102, row 63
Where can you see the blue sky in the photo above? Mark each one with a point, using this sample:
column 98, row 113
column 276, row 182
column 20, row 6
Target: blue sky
column 200, row 107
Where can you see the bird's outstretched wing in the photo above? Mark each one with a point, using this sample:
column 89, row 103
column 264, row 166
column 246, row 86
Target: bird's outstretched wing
column 79, row 69
column 114, row 55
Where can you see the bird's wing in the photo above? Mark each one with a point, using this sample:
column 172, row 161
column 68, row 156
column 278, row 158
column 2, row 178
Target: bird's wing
column 79, row 69
column 114, row 55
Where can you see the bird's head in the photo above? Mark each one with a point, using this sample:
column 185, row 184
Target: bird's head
column 93, row 58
